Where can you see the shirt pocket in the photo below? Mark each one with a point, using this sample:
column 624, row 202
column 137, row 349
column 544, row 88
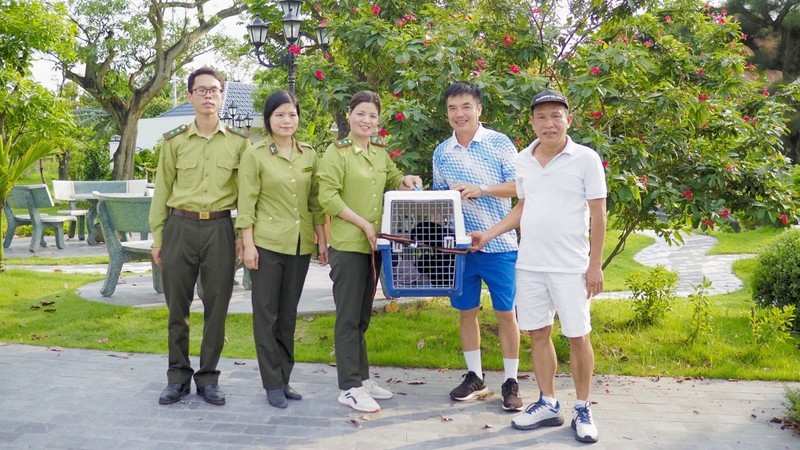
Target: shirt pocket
column 187, row 172
column 226, row 168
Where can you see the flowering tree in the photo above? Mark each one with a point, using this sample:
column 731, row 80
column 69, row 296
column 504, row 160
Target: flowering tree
column 662, row 92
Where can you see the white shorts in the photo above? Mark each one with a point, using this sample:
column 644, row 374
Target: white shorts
column 540, row 295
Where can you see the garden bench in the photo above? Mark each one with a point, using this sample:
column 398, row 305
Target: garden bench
column 63, row 190
column 84, row 190
column 31, row 198
column 121, row 214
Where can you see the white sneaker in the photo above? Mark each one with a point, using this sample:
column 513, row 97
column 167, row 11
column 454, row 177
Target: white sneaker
column 539, row 414
column 358, row 399
column 582, row 423
column 375, row 391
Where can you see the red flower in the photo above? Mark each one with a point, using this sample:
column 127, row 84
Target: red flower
column 317, row 8
column 376, row 10
column 508, row 40
column 536, row 10
column 396, row 153
column 702, row 97
column 513, row 68
column 425, row 42
column 700, row 72
column 323, row 22
column 320, row 75
column 411, row 18
column 383, row 132
column 353, row 11
column 724, row 12
column 605, row 163
column 710, row 223
column 746, row 118
column 644, row 180
column 704, row 221
column 667, row 19
column 755, row 121
column 725, row 213
column 729, row 167
column 480, row 63
column 596, row 114
column 398, row 94
column 784, row 219
column 744, row 36
column 294, row 49
column 595, row 70
column 687, row 194
column 475, row 73
column 401, row 21
column 647, row 44
column 400, row 117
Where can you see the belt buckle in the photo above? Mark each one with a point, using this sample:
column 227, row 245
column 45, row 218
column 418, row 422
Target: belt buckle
column 205, row 215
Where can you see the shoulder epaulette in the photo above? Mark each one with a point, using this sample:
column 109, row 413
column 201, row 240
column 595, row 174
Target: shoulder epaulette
column 237, row 131
column 305, row 146
column 344, row 143
column 374, row 140
column 175, row 131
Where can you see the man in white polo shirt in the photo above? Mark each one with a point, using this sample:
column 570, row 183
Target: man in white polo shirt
column 562, row 218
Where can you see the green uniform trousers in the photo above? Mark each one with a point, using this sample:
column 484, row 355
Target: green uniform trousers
column 192, row 247
column 277, row 286
column 354, row 281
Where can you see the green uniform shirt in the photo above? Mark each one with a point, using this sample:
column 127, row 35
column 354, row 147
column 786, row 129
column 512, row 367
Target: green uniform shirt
column 278, row 197
column 357, row 177
column 195, row 173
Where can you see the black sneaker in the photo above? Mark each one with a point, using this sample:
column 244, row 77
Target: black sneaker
column 471, row 387
column 511, row 399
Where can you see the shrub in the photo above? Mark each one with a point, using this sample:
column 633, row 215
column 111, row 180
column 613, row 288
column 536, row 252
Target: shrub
column 701, row 326
column 653, row 294
column 776, row 278
column 792, row 404
column 771, row 324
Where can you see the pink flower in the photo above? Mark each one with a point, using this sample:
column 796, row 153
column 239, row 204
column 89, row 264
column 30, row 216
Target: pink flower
column 596, row 114
column 687, row 194
column 320, row 75
column 474, row 73
column 536, row 10
column 729, row 167
column 400, row 117
column 513, row 68
column 425, row 42
column 401, row 21
column 667, row 19
column 396, row 153
column 317, row 8
column 647, row 44
column 725, row 213
column 508, row 40
column 724, row 12
column 755, row 121
column 294, row 49
column 376, row 10
column 744, row 36
column 595, row 70
column 480, row 63
column 323, row 22
column 784, row 219
column 700, row 72
column 383, row 132
column 411, row 18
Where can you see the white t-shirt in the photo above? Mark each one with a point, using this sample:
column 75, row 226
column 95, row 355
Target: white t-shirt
column 554, row 227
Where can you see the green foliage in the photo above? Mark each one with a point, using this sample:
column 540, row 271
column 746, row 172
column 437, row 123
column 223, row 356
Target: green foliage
column 792, row 404
column 771, row 324
column 653, row 294
column 701, row 326
column 776, row 280
column 146, row 164
column 92, row 163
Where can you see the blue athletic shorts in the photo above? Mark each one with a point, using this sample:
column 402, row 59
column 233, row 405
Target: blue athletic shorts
column 497, row 271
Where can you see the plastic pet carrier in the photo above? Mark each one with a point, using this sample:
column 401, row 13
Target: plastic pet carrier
column 423, row 243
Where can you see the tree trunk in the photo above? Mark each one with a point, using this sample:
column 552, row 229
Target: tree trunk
column 2, row 235
column 63, row 165
column 342, row 124
column 124, row 156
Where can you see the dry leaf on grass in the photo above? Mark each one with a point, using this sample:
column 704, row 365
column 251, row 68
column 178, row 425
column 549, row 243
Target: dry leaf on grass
column 239, row 363
column 57, row 270
column 35, row 307
column 308, row 318
column 102, row 340
column 46, row 303
column 50, row 310
column 392, row 307
column 421, row 344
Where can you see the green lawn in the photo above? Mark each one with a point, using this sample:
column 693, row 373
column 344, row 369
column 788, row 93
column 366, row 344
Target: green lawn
column 751, row 241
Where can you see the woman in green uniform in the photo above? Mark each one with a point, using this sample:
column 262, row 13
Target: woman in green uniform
column 279, row 213
column 353, row 174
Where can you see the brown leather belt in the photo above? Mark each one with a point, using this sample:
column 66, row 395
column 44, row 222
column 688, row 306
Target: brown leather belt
column 205, row 215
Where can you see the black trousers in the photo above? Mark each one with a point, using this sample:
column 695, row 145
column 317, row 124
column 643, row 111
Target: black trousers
column 277, row 286
column 189, row 248
column 354, row 280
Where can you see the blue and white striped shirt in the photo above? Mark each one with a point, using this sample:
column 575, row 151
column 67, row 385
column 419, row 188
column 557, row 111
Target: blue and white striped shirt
column 488, row 159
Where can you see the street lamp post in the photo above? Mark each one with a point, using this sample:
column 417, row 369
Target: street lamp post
column 231, row 117
column 259, row 35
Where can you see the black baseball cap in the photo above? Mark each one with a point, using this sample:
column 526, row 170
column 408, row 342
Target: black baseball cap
column 549, row 96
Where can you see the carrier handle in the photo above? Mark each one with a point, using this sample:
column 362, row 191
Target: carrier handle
column 410, row 242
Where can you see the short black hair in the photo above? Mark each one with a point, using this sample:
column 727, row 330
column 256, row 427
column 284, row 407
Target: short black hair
column 365, row 97
column 275, row 101
column 205, row 71
column 463, row 88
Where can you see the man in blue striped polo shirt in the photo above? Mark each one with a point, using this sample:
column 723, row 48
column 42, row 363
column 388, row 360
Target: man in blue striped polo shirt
column 479, row 163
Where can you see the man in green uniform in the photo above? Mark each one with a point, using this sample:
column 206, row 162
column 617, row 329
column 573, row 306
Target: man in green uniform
column 193, row 233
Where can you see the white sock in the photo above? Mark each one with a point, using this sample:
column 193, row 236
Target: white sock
column 550, row 400
column 473, row 359
column 511, row 367
column 581, row 403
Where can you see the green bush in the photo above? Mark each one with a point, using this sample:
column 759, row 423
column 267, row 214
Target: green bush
column 776, row 279
column 792, row 404
column 701, row 326
column 653, row 294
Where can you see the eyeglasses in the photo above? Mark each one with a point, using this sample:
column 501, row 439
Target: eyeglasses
column 205, row 90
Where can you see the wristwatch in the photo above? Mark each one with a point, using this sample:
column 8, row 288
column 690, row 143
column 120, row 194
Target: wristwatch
column 484, row 190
